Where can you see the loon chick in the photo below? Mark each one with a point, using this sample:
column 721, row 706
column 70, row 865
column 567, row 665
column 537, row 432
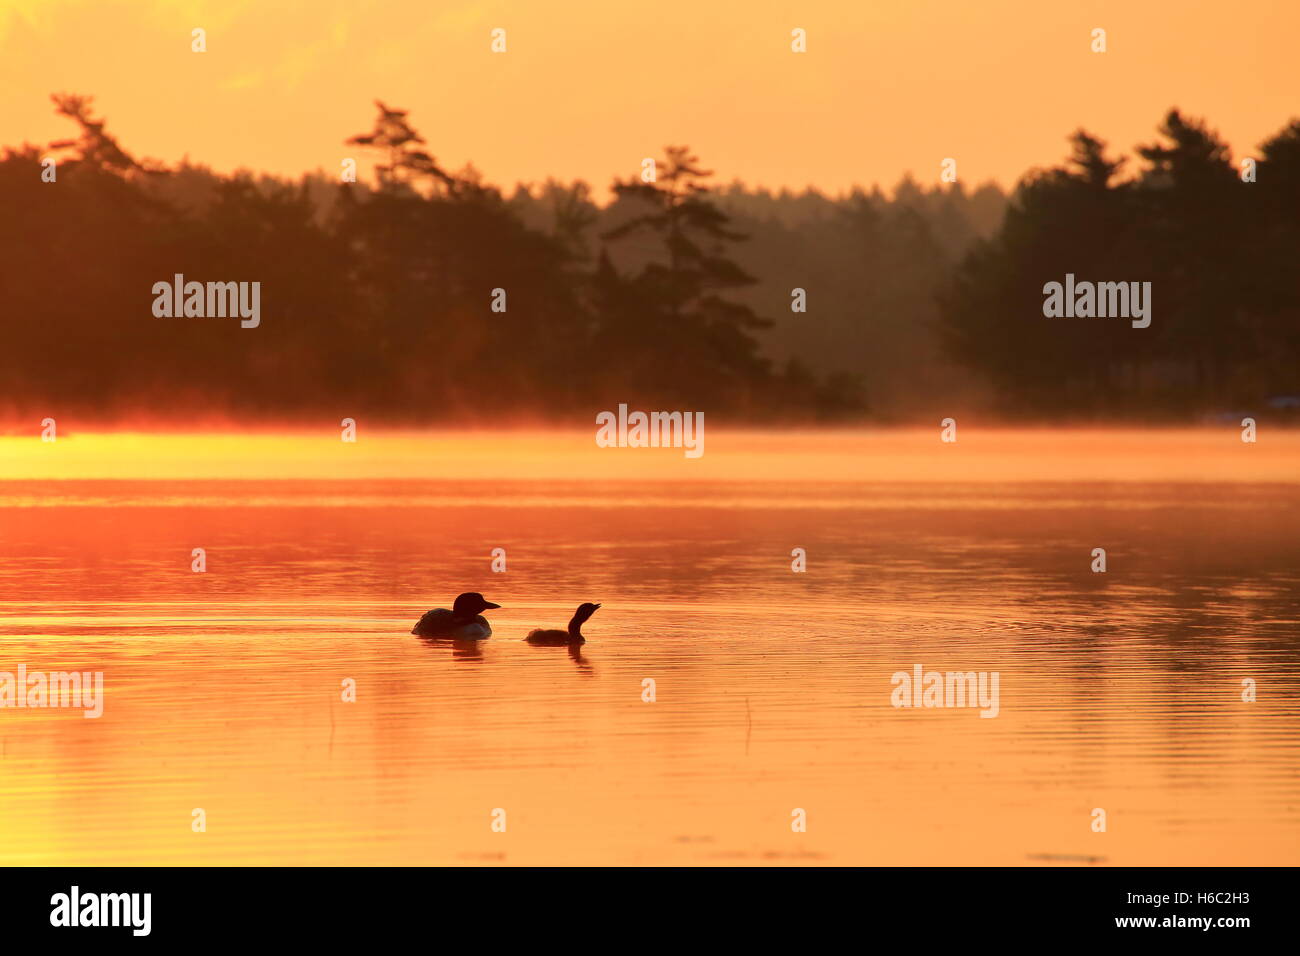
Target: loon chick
column 572, row 636
column 462, row 621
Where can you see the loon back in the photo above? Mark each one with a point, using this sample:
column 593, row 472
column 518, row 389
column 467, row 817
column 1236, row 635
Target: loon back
column 540, row 636
column 441, row 622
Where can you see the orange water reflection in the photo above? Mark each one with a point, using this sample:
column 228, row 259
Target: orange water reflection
column 1120, row 691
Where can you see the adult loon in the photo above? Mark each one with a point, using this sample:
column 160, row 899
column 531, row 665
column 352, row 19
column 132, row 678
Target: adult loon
column 464, row 620
column 572, row 636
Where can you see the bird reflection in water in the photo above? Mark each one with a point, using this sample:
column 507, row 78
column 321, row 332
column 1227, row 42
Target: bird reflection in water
column 462, row 650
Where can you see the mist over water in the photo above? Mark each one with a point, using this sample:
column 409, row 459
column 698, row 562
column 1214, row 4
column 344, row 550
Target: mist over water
column 1119, row 690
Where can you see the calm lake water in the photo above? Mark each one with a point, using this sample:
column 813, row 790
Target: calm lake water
column 1120, row 691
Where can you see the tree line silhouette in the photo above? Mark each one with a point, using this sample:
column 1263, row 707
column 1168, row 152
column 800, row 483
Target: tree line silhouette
column 1218, row 248
column 377, row 298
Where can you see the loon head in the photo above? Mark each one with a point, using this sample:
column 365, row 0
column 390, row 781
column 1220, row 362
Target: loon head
column 471, row 604
column 580, row 616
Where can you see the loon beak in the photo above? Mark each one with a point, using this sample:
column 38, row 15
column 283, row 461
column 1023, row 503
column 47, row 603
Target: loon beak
column 488, row 605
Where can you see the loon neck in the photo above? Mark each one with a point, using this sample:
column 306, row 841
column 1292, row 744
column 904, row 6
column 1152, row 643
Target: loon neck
column 575, row 627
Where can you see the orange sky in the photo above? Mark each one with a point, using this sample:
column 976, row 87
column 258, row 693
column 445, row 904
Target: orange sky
column 588, row 87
